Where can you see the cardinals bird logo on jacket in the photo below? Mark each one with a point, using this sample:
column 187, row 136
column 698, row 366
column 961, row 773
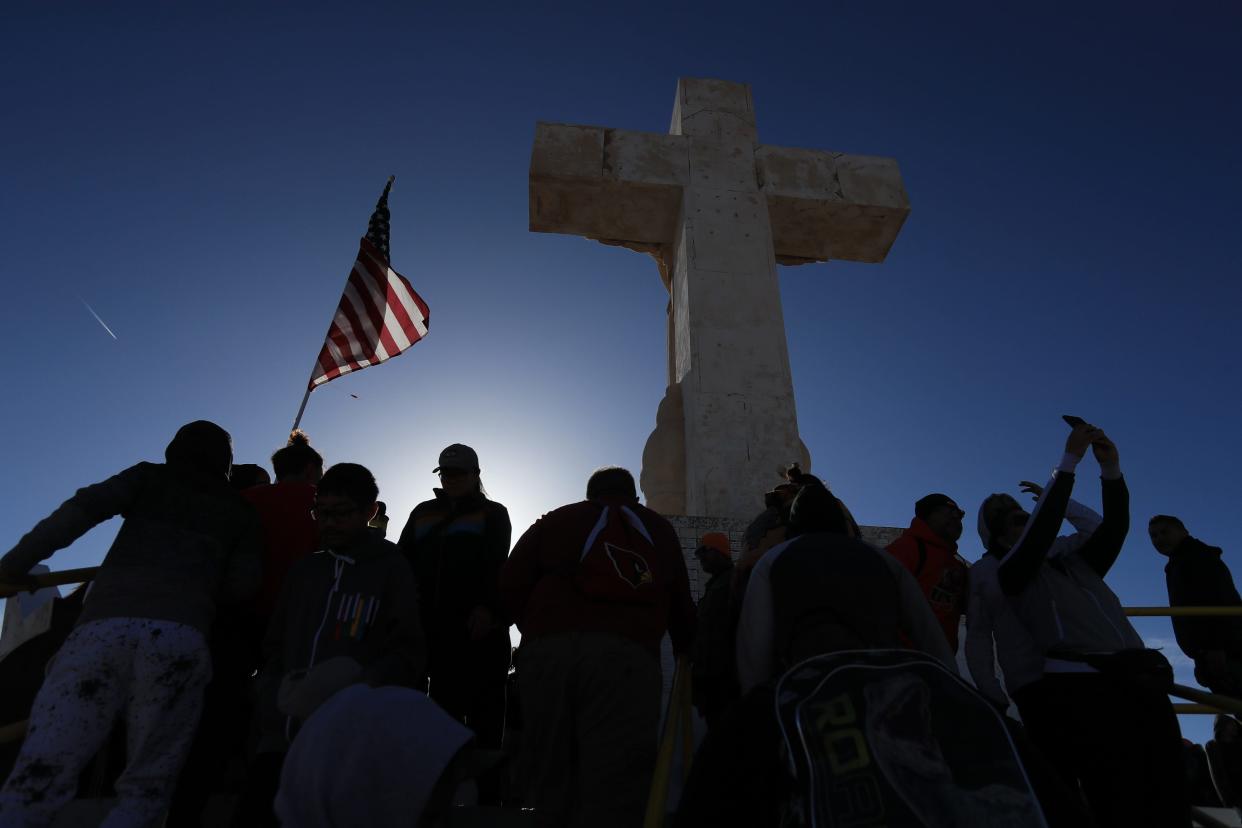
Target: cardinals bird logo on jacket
column 631, row 566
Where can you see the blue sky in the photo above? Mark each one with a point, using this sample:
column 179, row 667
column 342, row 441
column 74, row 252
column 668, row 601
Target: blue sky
column 200, row 174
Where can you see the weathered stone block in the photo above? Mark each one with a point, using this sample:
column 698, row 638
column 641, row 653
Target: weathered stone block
column 646, row 157
column 714, row 109
column 728, row 232
column 831, row 205
column 575, row 189
column 564, row 151
column 797, row 173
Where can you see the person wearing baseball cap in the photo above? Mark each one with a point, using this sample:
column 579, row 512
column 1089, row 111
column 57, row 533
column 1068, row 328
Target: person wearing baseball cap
column 456, row 542
column 928, row 549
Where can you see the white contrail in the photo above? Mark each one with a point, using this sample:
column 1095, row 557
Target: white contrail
column 97, row 319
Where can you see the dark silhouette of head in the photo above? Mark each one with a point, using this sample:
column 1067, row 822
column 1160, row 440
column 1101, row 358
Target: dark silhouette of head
column 246, row 475
column 201, row 446
column 352, row 481
column 815, row 509
column 298, row 460
column 1166, row 533
column 942, row 514
column 1001, row 522
column 344, row 504
column 612, row 483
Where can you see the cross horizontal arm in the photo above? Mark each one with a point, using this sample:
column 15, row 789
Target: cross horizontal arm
column 608, row 184
column 829, row 205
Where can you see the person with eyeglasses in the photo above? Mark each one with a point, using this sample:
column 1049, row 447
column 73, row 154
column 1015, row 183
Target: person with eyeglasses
column 928, row 550
column 456, row 544
column 347, row 614
column 1092, row 697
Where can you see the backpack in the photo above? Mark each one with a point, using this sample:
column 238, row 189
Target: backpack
column 891, row 738
column 616, row 561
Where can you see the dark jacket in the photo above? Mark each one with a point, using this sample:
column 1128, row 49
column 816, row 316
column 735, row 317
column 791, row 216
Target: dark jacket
column 359, row 602
column 1196, row 576
column 541, row 597
column 714, row 659
column 456, row 548
column 188, row 542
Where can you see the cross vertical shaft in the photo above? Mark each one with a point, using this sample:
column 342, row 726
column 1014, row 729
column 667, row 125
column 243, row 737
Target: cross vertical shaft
column 718, row 211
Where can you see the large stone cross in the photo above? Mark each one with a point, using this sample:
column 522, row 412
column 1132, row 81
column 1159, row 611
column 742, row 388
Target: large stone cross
column 719, row 211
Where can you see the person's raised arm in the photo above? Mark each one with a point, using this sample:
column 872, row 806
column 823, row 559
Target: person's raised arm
column 1021, row 563
column 1100, row 551
column 87, row 508
column 1084, row 519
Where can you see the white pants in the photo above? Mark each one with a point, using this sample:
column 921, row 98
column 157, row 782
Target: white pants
column 152, row 671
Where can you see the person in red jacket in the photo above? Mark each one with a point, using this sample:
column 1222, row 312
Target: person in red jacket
column 593, row 586
column 928, row 549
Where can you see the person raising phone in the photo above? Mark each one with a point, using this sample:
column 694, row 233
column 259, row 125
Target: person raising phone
column 1092, row 697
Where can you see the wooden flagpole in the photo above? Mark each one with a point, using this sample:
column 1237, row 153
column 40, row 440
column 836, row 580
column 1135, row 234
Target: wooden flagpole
column 302, row 408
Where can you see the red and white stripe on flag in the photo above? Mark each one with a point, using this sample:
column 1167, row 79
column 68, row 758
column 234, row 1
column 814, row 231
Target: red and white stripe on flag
column 380, row 316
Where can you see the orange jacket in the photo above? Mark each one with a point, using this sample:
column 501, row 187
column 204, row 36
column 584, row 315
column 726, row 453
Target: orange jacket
column 940, row 571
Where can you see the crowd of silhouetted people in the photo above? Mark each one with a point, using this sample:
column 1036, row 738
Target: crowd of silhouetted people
column 265, row 644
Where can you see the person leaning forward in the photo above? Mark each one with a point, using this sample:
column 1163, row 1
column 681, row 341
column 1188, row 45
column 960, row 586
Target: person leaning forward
column 593, row 586
column 139, row 650
column 1196, row 575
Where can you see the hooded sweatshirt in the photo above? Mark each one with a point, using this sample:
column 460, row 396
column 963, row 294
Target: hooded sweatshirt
column 358, row 603
column 1196, row 576
column 369, row 756
column 939, row 570
column 989, row 621
column 1054, row 593
column 538, row 586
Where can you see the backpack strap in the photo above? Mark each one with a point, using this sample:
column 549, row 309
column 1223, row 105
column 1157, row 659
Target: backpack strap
column 918, row 570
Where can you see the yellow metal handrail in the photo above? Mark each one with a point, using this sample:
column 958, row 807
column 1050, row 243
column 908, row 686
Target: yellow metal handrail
column 1202, row 702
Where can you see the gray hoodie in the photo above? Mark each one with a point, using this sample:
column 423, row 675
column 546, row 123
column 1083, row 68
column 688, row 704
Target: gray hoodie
column 1055, row 599
column 356, row 603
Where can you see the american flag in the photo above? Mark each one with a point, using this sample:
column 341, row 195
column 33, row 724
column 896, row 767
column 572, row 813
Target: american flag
column 380, row 315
